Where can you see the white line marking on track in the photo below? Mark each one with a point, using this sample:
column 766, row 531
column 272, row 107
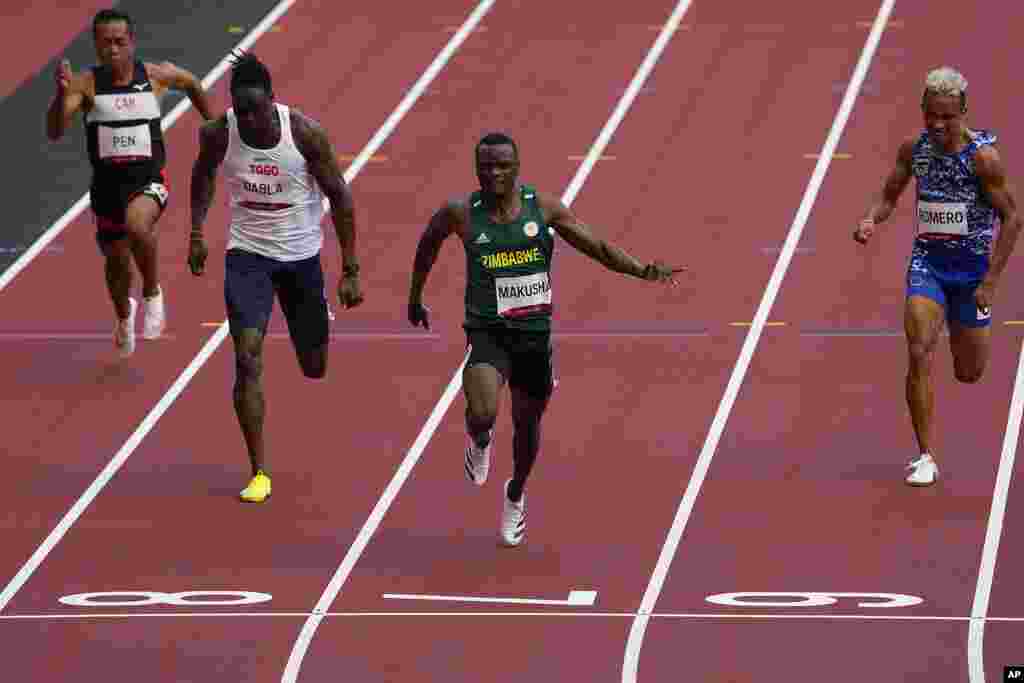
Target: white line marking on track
column 110, row 470
column 351, row 557
column 71, row 214
column 219, row 335
column 491, row 614
column 580, row 598
column 990, row 551
column 291, row 671
column 631, row 658
column 305, row 637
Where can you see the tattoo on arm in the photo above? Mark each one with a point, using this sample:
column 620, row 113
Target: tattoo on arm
column 213, row 144
column 580, row 237
column 323, row 165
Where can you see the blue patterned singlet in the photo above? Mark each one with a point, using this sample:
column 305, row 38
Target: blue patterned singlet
column 946, row 185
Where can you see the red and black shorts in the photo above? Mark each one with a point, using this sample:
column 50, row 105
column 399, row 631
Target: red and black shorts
column 110, row 200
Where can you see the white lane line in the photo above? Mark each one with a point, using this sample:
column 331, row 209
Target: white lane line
column 291, row 671
column 631, row 658
column 576, row 598
column 71, row 214
column 305, row 637
column 101, row 480
column 502, row 614
column 218, row 337
column 990, row 551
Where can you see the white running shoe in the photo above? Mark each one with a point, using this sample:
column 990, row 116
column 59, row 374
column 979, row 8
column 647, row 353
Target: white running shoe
column 155, row 316
column 513, row 519
column 923, row 471
column 478, row 460
column 124, row 332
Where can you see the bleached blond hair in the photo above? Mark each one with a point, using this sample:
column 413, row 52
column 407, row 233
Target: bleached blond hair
column 946, row 81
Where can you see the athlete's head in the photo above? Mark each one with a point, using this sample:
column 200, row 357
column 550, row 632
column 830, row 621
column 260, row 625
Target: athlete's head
column 944, row 103
column 114, row 35
column 252, row 95
column 497, row 164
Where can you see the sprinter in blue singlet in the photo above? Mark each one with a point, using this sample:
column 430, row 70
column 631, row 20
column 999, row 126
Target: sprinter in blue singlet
column 954, row 271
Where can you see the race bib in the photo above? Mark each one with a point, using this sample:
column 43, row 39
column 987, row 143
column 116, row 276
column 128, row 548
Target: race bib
column 943, row 218
column 129, row 143
column 524, row 295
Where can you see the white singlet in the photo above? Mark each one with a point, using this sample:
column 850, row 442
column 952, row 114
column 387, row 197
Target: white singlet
column 276, row 203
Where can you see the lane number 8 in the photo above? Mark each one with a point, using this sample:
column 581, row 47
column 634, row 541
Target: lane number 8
column 182, row 599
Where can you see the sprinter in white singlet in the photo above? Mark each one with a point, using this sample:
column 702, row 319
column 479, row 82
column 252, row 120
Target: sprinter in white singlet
column 280, row 165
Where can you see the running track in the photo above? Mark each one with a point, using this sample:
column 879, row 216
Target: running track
column 795, row 458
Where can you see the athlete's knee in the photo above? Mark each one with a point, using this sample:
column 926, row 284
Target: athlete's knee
column 968, row 373
column 527, row 410
column 481, row 403
column 921, row 353
column 314, row 365
column 314, row 372
column 481, row 412
column 116, row 265
column 248, row 366
column 481, row 416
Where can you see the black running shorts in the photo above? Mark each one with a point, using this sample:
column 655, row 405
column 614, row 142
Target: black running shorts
column 109, row 201
column 525, row 359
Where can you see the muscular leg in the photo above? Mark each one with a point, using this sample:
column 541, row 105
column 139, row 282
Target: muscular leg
column 248, row 392
column 481, row 384
column 300, row 291
column 141, row 216
column 526, row 416
column 922, row 322
column 118, row 270
column 313, row 361
column 970, row 347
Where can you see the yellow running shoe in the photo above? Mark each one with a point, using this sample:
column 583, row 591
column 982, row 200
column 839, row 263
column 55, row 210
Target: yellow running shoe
column 258, row 489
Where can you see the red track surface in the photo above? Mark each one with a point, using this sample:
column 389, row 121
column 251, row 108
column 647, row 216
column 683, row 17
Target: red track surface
column 26, row 48
column 805, row 490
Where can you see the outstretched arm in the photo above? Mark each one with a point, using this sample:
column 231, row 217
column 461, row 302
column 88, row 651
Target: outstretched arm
column 445, row 221
column 213, row 145
column 570, row 228
column 169, row 76
column 884, row 205
column 993, row 179
column 66, row 101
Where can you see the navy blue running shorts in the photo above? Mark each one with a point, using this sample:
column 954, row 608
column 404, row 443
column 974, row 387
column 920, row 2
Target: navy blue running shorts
column 252, row 280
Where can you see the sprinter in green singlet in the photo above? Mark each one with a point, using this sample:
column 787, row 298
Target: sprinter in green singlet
column 504, row 228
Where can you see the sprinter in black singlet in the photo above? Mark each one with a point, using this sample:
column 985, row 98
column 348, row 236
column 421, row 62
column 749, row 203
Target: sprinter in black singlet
column 120, row 102
column 507, row 230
